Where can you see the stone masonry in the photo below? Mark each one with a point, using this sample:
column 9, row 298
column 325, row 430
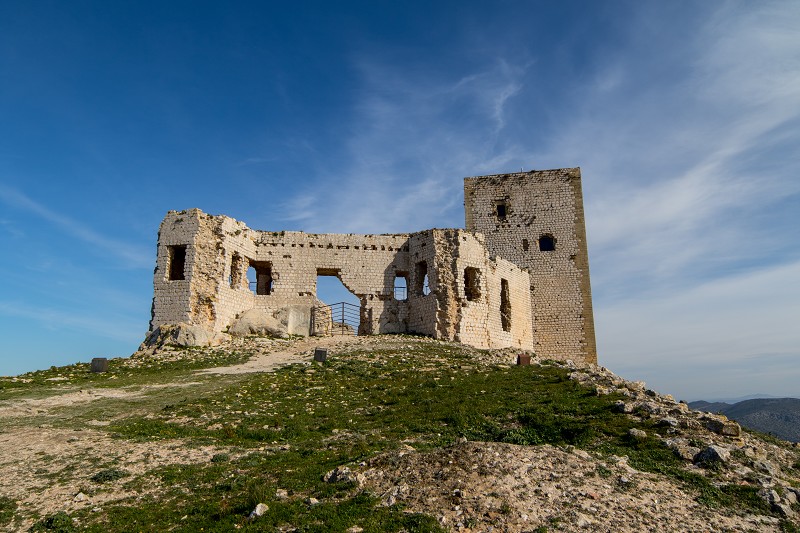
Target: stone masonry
column 536, row 220
column 488, row 286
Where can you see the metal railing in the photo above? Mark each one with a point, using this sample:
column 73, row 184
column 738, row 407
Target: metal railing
column 400, row 293
column 336, row 319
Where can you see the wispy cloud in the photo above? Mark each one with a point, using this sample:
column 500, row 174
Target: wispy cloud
column 121, row 328
column 132, row 255
column 11, row 228
column 415, row 136
column 677, row 172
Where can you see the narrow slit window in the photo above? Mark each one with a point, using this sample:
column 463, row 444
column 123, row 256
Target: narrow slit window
column 501, row 209
column 525, row 245
column 505, row 306
column 472, row 284
column 177, row 262
column 236, row 276
column 421, row 283
column 547, row 243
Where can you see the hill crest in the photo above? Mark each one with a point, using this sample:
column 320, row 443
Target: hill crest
column 391, row 433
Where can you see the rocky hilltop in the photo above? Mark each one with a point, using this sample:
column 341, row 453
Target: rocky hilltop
column 776, row 416
column 390, row 433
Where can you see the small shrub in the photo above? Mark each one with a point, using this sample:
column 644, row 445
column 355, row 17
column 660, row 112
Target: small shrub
column 603, row 472
column 7, row 509
column 60, row 522
column 109, row 474
column 220, row 458
column 789, row 527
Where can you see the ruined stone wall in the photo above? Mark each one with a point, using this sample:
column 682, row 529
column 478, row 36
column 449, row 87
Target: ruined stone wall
column 469, row 294
column 180, row 300
column 366, row 265
column 219, row 250
column 520, row 215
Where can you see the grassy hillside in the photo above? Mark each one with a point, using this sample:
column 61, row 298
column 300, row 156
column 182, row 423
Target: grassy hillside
column 156, row 444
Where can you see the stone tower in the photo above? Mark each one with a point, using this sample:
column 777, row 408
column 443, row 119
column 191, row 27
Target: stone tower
column 536, row 220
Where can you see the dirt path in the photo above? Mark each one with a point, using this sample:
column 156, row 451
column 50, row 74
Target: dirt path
column 270, row 357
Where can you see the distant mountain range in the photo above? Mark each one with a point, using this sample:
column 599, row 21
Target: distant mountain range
column 777, row 416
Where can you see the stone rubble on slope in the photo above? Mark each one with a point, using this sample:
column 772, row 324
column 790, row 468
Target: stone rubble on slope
column 475, row 486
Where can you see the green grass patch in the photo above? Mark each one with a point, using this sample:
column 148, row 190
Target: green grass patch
column 59, row 522
column 122, row 371
column 229, row 514
column 8, row 509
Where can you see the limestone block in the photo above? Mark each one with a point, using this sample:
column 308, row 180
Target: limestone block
column 185, row 335
column 258, row 322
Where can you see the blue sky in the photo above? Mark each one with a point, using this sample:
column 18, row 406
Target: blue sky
column 365, row 116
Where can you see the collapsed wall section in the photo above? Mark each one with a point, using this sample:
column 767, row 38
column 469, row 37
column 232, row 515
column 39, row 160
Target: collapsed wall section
column 536, row 220
column 482, row 301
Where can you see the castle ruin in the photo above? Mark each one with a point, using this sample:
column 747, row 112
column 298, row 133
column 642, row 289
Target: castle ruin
column 517, row 276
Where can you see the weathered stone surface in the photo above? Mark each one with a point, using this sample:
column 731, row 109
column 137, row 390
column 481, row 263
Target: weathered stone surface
column 184, row 335
column 260, row 509
column 668, row 421
column 766, row 467
column 722, row 426
column 685, row 452
column 712, row 455
column 536, row 220
column 343, row 474
column 637, row 434
column 258, row 322
column 623, row 407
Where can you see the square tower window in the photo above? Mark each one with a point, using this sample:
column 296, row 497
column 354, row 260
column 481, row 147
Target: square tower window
column 547, row 243
column 472, row 283
column 176, row 262
column 501, row 208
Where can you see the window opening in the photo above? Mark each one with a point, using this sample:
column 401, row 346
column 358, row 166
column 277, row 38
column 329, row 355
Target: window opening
column 525, row 244
column 177, row 262
column 472, row 283
column 401, row 286
column 421, row 282
column 235, row 279
column 547, row 243
column 501, row 208
column 505, row 306
column 259, row 277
